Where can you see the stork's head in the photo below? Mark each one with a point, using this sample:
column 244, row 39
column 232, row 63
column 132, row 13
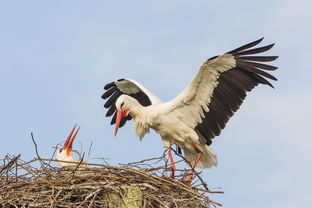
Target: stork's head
column 65, row 152
column 124, row 105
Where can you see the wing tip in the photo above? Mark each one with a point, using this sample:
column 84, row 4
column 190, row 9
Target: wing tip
column 274, row 58
column 104, row 96
column 109, row 85
column 270, row 46
column 246, row 46
column 259, row 40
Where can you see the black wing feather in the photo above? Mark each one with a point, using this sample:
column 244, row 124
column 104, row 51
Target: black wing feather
column 248, row 45
column 259, row 58
column 111, row 110
column 256, row 65
column 109, row 92
column 260, row 72
column 109, row 85
column 111, row 101
column 254, row 51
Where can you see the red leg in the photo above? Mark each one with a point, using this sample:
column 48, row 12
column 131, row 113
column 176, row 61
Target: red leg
column 172, row 164
column 199, row 155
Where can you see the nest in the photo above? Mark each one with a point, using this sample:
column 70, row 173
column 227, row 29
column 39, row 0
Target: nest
column 138, row 184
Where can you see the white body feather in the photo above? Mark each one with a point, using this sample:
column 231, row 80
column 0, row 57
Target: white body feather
column 61, row 155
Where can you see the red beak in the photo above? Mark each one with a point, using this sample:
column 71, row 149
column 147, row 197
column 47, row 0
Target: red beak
column 68, row 145
column 120, row 114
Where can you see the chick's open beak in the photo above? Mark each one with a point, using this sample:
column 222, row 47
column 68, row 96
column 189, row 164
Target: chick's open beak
column 68, row 145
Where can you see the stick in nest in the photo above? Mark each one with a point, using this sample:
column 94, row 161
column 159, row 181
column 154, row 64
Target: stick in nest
column 10, row 163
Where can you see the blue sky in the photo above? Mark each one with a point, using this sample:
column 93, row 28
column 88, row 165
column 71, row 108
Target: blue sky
column 57, row 56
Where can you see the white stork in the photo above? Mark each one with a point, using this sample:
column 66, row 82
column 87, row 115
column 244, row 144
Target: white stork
column 201, row 110
column 65, row 153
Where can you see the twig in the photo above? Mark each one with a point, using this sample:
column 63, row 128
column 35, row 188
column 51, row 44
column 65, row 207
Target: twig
column 13, row 160
column 81, row 160
column 36, row 149
column 142, row 161
column 89, row 152
column 55, row 149
column 210, row 192
column 90, row 195
column 16, row 170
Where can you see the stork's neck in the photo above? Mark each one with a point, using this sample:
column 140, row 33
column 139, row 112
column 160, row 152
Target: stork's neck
column 142, row 120
column 63, row 157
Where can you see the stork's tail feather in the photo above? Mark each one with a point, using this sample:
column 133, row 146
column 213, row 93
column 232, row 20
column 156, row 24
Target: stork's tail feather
column 208, row 159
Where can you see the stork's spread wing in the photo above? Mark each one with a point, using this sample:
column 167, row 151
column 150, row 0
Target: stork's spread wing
column 220, row 87
column 128, row 87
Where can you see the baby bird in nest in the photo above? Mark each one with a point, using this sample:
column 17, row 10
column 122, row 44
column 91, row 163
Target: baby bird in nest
column 65, row 153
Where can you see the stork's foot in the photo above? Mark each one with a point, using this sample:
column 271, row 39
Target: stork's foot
column 190, row 175
column 187, row 179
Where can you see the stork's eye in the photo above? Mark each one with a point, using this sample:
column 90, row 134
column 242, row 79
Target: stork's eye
column 122, row 104
column 60, row 150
